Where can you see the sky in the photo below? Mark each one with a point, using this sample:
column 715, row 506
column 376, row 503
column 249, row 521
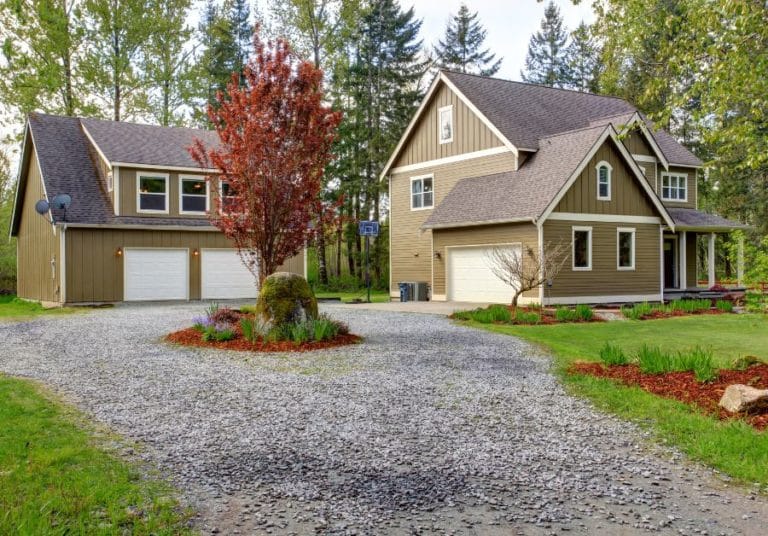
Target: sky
column 509, row 23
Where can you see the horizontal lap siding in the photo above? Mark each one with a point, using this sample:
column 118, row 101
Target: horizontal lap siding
column 95, row 271
column 522, row 233
column 411, row 248
column 627, row 196
column 605, row 279
column 469, row 132
column 37, row 245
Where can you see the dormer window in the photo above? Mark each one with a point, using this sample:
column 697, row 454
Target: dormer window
column 152, row 192
column 445, row 126
column 194, row 195
column 227, row 196
column 604, row 170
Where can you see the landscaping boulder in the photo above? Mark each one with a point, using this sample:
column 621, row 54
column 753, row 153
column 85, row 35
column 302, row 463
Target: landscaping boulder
column 285, row 298
column 744, row 399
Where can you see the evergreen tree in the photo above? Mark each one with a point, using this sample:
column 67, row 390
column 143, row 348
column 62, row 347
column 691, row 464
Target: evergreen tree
column 583, row 60
column 7, row 247
column 167, row 66
column 118, row 31
column 41, row 41
column 546, row 62
column 461, row 49
column 241, row 30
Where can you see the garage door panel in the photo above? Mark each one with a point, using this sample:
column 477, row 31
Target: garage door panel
column 156, row 274
column 471, row 279
column 224, row 276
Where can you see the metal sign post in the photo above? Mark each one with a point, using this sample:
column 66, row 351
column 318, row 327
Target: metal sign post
column 368, row 229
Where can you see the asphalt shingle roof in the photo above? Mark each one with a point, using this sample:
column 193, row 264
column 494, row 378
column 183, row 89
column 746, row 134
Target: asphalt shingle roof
column 520, row 194
column 147, row 144
column 525, row 113
column 690, row 218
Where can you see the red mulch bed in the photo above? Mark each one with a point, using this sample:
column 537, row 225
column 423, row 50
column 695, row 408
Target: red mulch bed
column 683, row 386
column 656, row 315
column 191, row 337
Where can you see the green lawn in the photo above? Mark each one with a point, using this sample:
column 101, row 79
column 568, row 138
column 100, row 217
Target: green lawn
column 732, row 447
column 56, row 479
column 377, row 296
column 13, row 308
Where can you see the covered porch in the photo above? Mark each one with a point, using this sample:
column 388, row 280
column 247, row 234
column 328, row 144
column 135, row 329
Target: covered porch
column 682, row 275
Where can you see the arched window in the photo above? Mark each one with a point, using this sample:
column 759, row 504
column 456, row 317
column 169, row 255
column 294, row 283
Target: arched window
column 604, row 170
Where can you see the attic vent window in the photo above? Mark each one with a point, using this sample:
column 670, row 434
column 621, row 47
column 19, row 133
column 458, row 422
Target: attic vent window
column 604, row 171
column 445, row 126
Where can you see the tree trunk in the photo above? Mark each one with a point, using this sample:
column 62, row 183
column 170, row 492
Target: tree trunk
column 322, row 267
column 339, row 241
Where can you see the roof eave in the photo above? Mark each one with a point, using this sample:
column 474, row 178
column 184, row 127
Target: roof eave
column 439, row 226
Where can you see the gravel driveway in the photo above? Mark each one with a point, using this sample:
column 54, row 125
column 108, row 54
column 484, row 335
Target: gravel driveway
column 426, row 427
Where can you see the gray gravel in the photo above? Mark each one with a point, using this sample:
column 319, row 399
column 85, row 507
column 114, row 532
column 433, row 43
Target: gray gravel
column 426, row 427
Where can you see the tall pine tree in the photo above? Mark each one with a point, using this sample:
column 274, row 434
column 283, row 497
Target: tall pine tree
column 583, row 57
column 461, row 50
column 547, row 62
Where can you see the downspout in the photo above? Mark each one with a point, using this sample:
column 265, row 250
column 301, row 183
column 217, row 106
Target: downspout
column 63, row 264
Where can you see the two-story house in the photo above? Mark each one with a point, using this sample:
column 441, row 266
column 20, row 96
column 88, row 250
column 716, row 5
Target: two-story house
column 136, row 228
column 488, row 163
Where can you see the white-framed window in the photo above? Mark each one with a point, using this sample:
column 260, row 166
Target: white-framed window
column 625, row 248
column 422, row 193
column 152, row 192
column 674, row 187
column 604, row 172
column 582, row 248
column 226, row 196
column 193, row 194
column 445, row 124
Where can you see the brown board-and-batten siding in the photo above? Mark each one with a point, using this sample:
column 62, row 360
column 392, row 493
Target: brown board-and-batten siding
column 95, row 269
column 128, row 192
column 410, row 245
column 470, row 134
column 692, row 192
column 525, row 234
column 37, row 245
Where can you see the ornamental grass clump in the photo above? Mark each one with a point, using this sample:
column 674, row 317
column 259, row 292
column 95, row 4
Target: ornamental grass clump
column 613, row 355
column 489, row 315
column 523, row 317
column 637, row 311
column 652, row 360
column 584, row 312
column 724, row 306
column 564, row 314
column 698, row 360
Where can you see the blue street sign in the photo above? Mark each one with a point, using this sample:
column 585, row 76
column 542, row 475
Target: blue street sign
column 368, row 228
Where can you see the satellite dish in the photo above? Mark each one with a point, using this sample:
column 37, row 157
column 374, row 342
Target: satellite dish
column 42, row 207
column 62, row 201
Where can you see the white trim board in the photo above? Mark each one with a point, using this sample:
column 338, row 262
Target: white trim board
column 449, row 160
column 604, row 218
column 146, row 175
column 166, row 168
column 95, row 145
column 622, row 298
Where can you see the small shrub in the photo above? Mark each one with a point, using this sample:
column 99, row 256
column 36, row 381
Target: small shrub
column 725, row 306
column 563, row 314
column 491, row 314
column 279, row 333
column 744, row 362
column 199, row 323
column 324, row 328
column 218, row 333
column 637, row 311
column 652, row 360
column 584, row 312
column 462, row 315
column 299, row 333
column 248, row 309
column 211, row 310
column 252, row 329
column 613, row 355
column 225, row 315
column 523, row 317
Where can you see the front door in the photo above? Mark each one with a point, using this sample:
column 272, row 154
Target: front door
column 670, row 262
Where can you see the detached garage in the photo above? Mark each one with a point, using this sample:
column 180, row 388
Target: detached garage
column 470, row 277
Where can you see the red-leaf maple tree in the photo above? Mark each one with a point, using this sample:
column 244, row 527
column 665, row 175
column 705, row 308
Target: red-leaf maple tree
column 275, row 136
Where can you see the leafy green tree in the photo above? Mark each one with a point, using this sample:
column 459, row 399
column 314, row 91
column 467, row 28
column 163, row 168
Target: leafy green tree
column 461, row 49
column 41, row 42
column 7, row 246
column 118, row 31
column 167, row 66
column 547, row 61
column 583, row 60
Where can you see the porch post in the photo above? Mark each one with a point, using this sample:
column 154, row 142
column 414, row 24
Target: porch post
column 683, row 261
column 711, row 260
column 740, row 261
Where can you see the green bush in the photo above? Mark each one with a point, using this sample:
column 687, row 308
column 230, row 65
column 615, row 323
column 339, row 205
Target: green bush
column 613, row 355
column 652, row 360
column 744, row 362
column 564, row 314
column 523, row 317
column 214, row 333
column 285, row 298
column 491, row 314
column 584, row 312
column 725, row 306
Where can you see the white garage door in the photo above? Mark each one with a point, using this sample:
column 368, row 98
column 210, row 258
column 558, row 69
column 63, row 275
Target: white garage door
column 224, row 276
column 470, row 278
column 156, row 274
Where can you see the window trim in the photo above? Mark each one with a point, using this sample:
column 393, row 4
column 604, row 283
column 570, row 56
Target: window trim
column 588, row 230
column 633, row 256
column 221, row 195
column 610, row 180
column 150, row 175
column 197, row 178
column 668, row 174
column 440, row 124
column 110, row 180
column 410, row 191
